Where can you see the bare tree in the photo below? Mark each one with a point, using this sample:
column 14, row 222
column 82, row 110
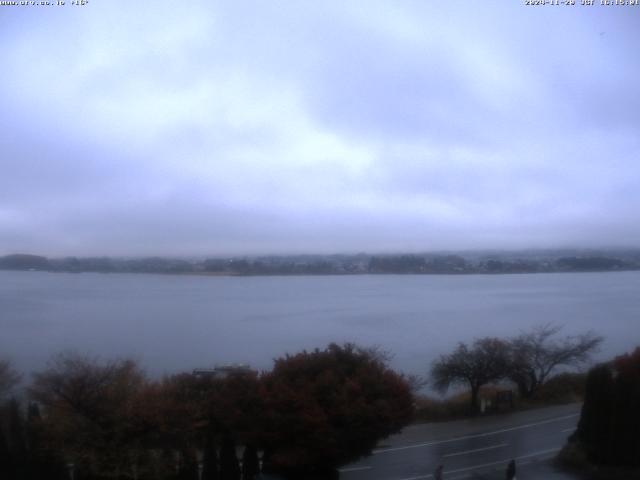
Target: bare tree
column 536, row 354
column 486, row 361
column 9, row 378
column 86, row 387
column 416, row 383
column 93, row 410
column 379, row 353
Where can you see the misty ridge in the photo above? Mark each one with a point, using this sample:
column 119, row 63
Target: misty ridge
column 525, row 261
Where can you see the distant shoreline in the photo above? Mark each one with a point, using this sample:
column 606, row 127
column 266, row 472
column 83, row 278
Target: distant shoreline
column 524, row 262
column 398, row 274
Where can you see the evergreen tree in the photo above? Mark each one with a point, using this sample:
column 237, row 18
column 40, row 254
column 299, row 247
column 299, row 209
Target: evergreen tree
column 625, row 444
column 595, row 422
column 250, row 466
column 610, row 420
column 34, row 442
column 6, row 464
column 188, row 467
column 210, row 460
column 42, row 460
column 17, row 443
column 16, row 429
column 229, row 467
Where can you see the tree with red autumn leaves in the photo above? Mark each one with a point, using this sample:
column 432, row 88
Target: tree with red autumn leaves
column 313, row 412
column 328, row 407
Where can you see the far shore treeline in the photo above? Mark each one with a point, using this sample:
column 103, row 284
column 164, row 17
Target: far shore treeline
column 526, row 261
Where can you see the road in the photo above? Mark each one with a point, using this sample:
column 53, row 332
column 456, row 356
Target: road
column 473, row 449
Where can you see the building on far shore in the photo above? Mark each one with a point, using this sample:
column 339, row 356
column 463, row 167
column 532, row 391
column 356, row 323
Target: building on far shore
column 222, row 371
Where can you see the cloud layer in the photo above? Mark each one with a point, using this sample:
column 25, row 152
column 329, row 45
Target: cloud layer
column 257, row 127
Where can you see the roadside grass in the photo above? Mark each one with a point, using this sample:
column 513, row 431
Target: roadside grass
column 561, row 389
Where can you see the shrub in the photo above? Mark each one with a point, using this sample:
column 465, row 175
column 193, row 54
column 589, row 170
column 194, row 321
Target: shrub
column 562, row 388
column 328, row 407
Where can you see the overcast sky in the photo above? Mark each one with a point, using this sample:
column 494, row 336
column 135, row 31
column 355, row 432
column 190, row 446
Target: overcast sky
column 180, row 128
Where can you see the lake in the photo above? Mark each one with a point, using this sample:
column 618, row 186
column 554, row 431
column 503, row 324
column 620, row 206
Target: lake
column 174, row 323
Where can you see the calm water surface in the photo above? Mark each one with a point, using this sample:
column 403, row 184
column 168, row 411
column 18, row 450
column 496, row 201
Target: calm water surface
column 173, row 323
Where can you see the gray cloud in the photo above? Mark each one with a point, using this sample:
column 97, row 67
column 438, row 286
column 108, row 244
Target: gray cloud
column 261, row 127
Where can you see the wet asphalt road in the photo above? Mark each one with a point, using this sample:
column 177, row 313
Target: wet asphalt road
column 474, row 449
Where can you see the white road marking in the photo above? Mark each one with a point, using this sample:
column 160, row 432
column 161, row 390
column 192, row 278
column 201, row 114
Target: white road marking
column 478, row 435
column 353, row 469
column 475, row 450
column 485, row 465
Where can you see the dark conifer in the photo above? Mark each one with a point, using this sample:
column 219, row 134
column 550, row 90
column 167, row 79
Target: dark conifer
column 210, row 461
column 6, row 463
column 17, row 442
column 250, row 466
column 44, row 459
column 625, row 445
column 229, row 466
column 17, row 439
column 35, row 443
column 610, row 416
column 188, row 468
column 595, row 422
